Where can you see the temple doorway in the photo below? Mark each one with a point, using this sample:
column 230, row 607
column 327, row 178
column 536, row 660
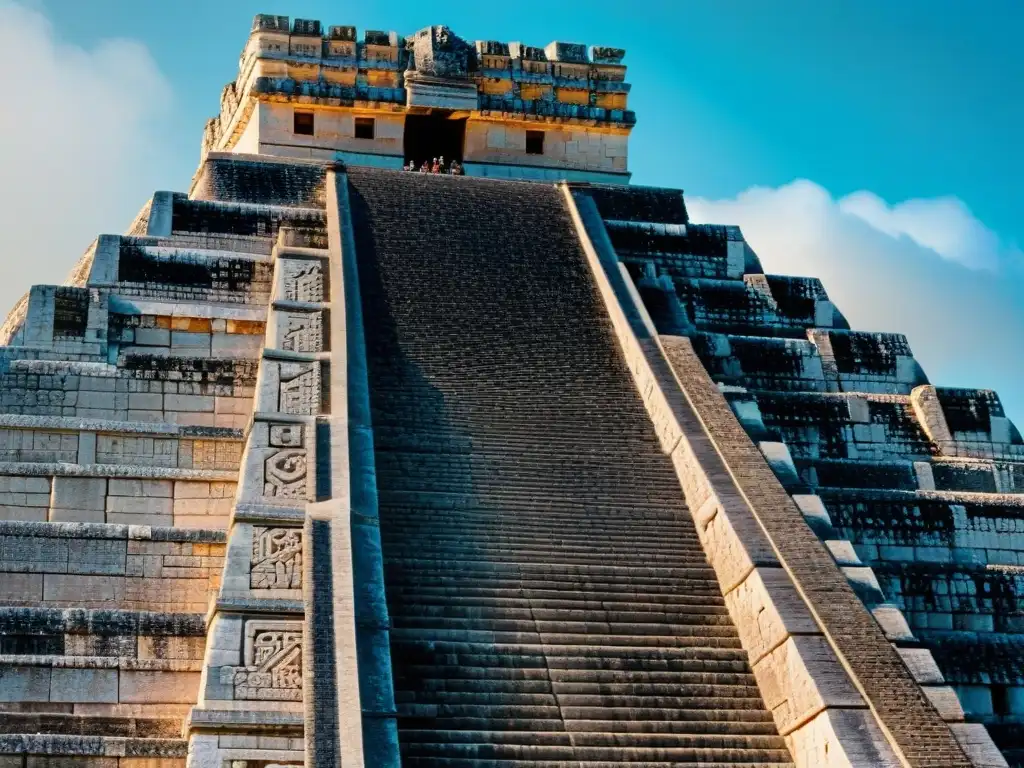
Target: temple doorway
column 434, row 135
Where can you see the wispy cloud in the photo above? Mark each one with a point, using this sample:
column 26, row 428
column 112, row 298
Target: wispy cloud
column 945, row 225
column 79, row 144
column 928, row 268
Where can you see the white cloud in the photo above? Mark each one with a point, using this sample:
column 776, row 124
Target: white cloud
column 926, row 268
column 79, row 145
column 945, row 225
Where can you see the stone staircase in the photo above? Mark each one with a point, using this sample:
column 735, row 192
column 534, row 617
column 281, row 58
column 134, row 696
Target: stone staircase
column 550, row 600
column 915, row 490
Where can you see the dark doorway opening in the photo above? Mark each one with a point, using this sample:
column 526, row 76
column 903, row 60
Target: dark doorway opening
column 433, row 135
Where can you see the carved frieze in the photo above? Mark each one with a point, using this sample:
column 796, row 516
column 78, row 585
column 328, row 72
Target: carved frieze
column 272, row 659
column 285, row 470
column 300, row 331
column 303, row 279
column 276, row 558
column 299, row 392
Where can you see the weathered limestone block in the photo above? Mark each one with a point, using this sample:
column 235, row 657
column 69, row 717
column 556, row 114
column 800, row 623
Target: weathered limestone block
column 138, row 686
column 278, row 463
column 766, row 609
column 84, row 685
column 24, row 684
column 78, row 500
column 841, row 738
column 802, row 677
column 272, row 668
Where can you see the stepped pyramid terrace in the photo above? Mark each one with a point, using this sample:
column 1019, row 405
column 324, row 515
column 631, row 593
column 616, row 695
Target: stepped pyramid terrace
column 326, row 463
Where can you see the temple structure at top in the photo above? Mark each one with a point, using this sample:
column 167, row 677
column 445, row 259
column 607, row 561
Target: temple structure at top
column 505, row 110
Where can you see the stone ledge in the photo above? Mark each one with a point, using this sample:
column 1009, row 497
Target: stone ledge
column 238, row 719
column 131, row 305
column 91, row 746
column 248, row 512
column 101, row 621
column 12, row 661
column 256, row 605
column 57, row 469
column 48, row 367
column 73, row 423
column 111, row 531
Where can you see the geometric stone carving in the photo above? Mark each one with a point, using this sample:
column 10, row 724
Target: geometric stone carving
column 300, row 331
column 276, row 558
column 303, row 279
column 284, row 472
column 273, row 663
column 299, row 393
column 286, row 436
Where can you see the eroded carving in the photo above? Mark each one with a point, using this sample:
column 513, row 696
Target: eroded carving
column 285, row 474
column 300, row 331
column 273, row 663
column 276, row 558
column 284, row 471
column 286, row 435
column 303, row 279
column 299, row 392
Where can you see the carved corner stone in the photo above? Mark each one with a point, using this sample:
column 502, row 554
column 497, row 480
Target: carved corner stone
column 299, row 389
column 285, row 470
column 302, row 279
column 299, row 331
column 272, row 658
column 276, row 558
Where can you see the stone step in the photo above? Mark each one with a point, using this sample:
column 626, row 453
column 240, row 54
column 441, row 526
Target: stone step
column 595, row 739
column 526, row 557
column 582, row 639
column 438, row 683
column 90, row 725
column 426, row 565
column 615, row 754
column 542, row 592
column 530, row 612
column 703, row 630
column 476, row 762
column 544, row 577
column 427, row 597
column 728, row 722
column 691, row 659
column 459, row 672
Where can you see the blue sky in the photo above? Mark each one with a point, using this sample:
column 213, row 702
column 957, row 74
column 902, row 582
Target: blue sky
column 903, row 119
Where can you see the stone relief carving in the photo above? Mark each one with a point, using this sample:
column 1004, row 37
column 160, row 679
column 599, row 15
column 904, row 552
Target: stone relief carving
column 303, row 279
column 299, row 392
column 284, row 472
column 276, row 558
column 272, row 658
column 439, row 52
column 300, row 331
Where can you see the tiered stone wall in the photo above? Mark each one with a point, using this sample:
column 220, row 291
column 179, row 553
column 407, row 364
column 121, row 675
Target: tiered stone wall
column 125, row 396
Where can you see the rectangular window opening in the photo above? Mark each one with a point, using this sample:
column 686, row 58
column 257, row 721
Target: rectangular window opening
column 535, row 142
column 303, row 124
column 1001, row 700
column 364, row 127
